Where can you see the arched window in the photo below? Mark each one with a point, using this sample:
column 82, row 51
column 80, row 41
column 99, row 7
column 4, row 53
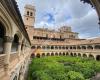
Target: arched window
column 56, row 47
column 91, row 56
column 89, row 47
column 64, row 54
column 71, row 54
column 60, row 54
column 98, row 57
column 52, row 54
column 75, row 54
column 31, row 14
column 48, row 54
column 78, row 47
column 74, row 47
column 83, row 47
column 48, row 47
column 38, row 47
column 59, row 47
column 43, row 54
column 84, row 55
column 56, row 54
column 71, row 47
column 32, row 55
column 79, row 54
column 33, row 47
column 38, row 55
column 97, row 46
column 63, row 47
column 66, row 47
column 67, row 53
column 15, row 43
column 28, row 13
column 2, row 33
column 52, row 47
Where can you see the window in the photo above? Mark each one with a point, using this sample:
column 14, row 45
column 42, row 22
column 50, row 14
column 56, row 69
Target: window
column 15, row 43
column 31, row 14
column 28, row 13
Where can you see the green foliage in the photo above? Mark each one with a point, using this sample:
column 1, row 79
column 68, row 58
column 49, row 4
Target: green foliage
column 63, row 68
column 72, row 75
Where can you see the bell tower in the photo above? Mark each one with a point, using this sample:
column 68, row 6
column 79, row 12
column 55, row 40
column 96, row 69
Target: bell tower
column 29, row 16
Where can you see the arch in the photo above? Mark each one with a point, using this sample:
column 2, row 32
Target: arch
column 52, row 54
column 56, row 47
column 15, row 43
column 89, row 47
column 38, row 47
column 79, row 54
column 66, row 47
column 83, row 47
column 19, row 34
column 32, row 55
column 59, row 47
column 28, row 13
column 67, row 54
column 5, row 21
column 91, row 56
column 74, row 47
column 71, row 47
column 38, row 55
column 31, row 14
column 97, row 47
column 48, row 47
column 60, row 54
column 78, row 47
column 84, row 55
column 52, row 47
column 75, row 54
column 2, row 33
column 64, row 54
column 43, row 47
column 71, row 54
column 98, row 57
column 56, row 54
column 63, row 47
column 43, row 54
column 48, row 54
column 33, row 47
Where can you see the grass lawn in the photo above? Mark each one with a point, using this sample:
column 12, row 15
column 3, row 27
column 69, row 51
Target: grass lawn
column 63, row 68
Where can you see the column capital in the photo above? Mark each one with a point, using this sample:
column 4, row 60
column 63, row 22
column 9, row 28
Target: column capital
column 8, row 39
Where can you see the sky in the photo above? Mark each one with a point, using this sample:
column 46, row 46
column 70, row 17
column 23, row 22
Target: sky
column 53, row 14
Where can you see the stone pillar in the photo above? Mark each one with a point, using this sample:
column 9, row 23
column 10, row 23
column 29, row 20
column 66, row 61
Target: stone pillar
column 19, row 50
column 93, row 47
column 7, row 50
column 23, row 50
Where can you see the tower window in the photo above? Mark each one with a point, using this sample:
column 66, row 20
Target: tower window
column 27, row 18
column 27, row 12
column 31, row 14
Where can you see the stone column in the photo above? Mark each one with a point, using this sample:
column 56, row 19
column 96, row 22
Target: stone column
column 23, row 49
column 19, row 50
column 93, row 47
column 7, row 50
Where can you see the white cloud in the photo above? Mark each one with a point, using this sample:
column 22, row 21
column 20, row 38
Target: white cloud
column 80, row 16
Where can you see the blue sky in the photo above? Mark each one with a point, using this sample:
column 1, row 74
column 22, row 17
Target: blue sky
column 56, row 13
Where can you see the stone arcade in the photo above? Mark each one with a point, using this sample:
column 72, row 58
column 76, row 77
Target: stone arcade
column 15, row 43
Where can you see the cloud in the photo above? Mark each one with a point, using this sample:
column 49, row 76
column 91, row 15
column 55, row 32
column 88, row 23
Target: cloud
column 56, row 13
